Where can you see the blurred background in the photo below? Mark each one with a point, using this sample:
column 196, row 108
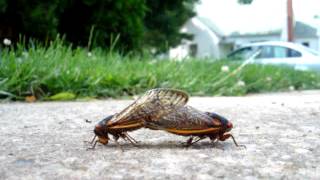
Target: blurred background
column 134, row 24
column 232, row 23
column 162, row 25
column 89, row 48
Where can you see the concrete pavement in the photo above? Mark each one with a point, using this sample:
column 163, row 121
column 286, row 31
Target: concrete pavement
column 281, row 131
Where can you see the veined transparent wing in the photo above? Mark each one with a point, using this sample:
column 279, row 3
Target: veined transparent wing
column 184, row 118
column 152, row 105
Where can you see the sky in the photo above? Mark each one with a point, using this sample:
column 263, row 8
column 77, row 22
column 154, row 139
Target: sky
column 260, row 16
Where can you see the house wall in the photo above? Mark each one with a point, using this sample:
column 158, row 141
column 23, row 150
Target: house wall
column 207, row 44
column 205, row 41
column 313, row 42
column 180, row 52
column 225, row 49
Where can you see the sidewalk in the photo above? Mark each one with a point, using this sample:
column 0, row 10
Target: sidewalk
column 281, row 132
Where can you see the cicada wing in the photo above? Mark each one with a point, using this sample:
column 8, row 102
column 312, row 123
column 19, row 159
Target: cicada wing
column 184, row 118
column 153, row 104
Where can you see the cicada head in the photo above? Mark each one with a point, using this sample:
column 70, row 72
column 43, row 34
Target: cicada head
column 226, row 127
column 226, row 124
column 100, row 130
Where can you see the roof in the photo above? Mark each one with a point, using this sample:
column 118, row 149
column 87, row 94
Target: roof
column 274, row 32
column 301, row 30
column 208, row 22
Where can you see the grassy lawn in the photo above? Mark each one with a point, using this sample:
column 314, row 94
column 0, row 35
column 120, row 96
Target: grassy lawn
column 60, row 72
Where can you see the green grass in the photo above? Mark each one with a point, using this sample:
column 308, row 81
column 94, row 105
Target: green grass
column 45, row 72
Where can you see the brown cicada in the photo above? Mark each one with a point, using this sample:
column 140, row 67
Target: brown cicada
column 188, row 121
column 154, row 104
column 164, row 109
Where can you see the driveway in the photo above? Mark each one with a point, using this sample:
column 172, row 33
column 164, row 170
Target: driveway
column 281, row 131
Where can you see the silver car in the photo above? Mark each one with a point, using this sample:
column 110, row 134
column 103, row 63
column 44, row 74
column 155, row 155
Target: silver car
column 278, row 53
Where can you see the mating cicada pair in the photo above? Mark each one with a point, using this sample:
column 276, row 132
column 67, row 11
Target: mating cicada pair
column 163, row 109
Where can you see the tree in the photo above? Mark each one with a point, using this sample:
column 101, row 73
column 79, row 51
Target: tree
column 163, row 21
column 104, row 20
column 139, row 24
column 44, row 19
column 33, row 18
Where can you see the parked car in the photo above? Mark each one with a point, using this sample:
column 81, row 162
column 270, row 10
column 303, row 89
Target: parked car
column 279, row 53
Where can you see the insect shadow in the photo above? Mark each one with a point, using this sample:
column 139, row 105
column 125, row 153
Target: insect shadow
column 168, row 145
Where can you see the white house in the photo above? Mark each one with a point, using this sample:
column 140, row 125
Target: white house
column 210, row 42
column 207, row 39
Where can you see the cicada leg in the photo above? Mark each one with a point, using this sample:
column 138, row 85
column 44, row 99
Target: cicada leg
column 93, row 139
column 116, row 137
column 90, row 142
column 191, row 142
column 226, row 136
column 119, row 146
column 188, row 143
column 213, row 138
column 129, row 137
column 199, row 139
column 93, row 146
column 126, row 137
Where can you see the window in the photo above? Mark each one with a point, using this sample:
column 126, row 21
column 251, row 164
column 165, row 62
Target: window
column 266, row 52
column 278, row 52
column 193, row 50
column 293, row 53
column 242, row 54
column 306, row 44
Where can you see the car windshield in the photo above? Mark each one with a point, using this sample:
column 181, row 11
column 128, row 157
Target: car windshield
column 242, row 53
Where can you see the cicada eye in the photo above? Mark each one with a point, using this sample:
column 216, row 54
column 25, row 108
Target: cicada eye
column 229, row 125
column 99, row 130
column 96, row 131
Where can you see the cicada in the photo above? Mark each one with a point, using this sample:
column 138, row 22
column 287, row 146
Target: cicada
column 188, row 121
column 154, row 104
column 164, row 109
